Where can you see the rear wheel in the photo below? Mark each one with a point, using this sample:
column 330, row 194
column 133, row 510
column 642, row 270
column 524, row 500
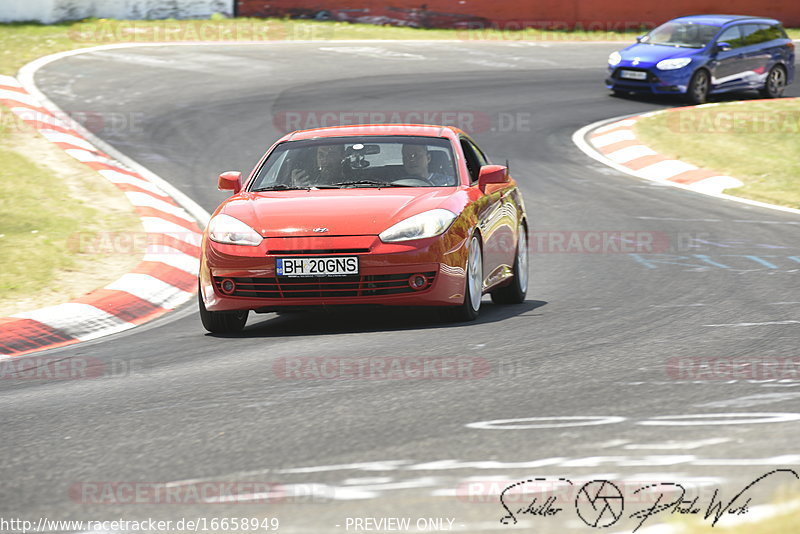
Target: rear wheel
column 514, row 293
column 699, row 87
column 775, row 84
column 227, row 322
column 473, row 287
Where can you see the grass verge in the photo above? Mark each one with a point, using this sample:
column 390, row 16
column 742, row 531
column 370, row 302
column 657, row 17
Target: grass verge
column 47, row 201
column 757, row 142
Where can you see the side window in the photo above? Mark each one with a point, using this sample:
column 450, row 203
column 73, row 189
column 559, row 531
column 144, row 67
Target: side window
column 473, row 161
column 776, row 31
column 479, row 153
column 753, row 34
column 732, row 36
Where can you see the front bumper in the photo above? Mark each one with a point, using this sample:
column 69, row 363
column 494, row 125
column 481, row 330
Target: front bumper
column 657, row 81
column 384, row 271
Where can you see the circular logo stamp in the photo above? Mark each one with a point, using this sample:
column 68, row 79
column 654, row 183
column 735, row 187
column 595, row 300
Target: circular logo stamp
column 599, row 503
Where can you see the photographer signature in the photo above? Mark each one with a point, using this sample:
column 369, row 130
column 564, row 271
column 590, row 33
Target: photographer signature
column 600, row 503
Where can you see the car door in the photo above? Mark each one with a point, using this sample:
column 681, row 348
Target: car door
column 757, row 56
column 487, row 208
column 497, row 224
column 727, row 67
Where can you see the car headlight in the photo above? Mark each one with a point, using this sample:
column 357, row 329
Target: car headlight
column 614, row 59
column 427, row 224
column 232, row 231
column 672, row 64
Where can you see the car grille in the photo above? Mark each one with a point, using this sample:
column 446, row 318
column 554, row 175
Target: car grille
column 324, row 287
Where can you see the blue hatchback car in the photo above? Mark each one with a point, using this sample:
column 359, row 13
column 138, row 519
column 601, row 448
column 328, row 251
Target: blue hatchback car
column 706, row 54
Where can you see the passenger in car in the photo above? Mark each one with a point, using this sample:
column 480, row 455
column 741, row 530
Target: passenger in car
column 419, row 162
column 328, row 168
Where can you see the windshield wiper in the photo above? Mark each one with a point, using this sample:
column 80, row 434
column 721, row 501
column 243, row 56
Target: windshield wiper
column 678, row 45
column 371, row 182
column 284, row 187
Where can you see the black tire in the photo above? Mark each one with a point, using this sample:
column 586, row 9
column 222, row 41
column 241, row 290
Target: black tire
column 514, row 293
column 699, row 86
column 470, row 308
column 221, row 322
column 775, row 83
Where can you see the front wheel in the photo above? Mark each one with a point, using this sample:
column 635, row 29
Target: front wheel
column 775, row 84
column 514, row 293
column 227, row 322
column 699, row 87
column 473, row 287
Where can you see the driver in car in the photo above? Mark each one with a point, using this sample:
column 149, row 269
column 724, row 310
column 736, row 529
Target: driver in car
column 416, row 160
column 328, row 169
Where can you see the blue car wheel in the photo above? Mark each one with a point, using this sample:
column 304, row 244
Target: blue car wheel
column 775, row 84
column 699, row 87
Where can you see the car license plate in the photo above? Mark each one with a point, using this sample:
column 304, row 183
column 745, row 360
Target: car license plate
column 322, row 266
column 633, row 74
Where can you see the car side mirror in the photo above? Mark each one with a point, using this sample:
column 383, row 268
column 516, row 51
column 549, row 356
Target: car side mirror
column 492, row 174
column 723, row 46
column 230, row 181
column 639, row 38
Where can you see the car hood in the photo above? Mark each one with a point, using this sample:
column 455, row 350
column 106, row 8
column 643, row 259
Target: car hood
column 649, row 55
column 341, row 211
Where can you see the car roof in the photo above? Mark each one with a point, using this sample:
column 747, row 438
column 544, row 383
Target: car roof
column 722, row 20
column 419, row 130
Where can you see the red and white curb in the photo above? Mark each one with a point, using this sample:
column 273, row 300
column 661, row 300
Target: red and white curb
column 164, row 279
column 613, row 142
column 618, row 143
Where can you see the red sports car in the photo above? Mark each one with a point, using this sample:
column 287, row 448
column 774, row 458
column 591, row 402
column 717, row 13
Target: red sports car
column 394, row 215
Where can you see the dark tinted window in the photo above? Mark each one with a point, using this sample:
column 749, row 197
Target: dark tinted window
column 755, row 34
column 732, row 36
column 474, row 159
column 775, row 32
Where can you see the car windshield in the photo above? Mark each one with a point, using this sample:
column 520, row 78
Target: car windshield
column 683, row 34
column 368, row 161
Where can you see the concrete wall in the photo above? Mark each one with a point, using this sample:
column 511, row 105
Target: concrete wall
column 57, row 10
column 597, row 14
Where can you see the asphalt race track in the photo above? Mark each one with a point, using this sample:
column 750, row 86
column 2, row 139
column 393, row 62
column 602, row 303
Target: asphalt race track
column 600, row 337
